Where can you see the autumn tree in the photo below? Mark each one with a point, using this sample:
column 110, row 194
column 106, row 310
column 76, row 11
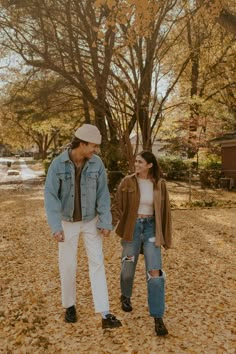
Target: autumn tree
column 41, row 108
column 108, row 50
column 64, row 37
column 220, row 11
column 207, row 76
column 143, row 79
column 78, row 40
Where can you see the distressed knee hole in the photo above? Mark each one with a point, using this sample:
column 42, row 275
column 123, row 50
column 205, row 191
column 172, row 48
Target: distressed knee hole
column 154, row 273
column 128, row 259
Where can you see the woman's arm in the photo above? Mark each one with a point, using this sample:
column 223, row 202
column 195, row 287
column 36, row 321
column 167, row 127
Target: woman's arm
column 166, row 216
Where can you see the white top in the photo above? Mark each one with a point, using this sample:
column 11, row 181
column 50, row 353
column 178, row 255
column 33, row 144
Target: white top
column 146, row 197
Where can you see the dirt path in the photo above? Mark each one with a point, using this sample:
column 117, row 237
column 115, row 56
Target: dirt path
column 200, row 291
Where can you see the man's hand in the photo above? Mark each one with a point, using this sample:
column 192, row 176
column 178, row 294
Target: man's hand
column 105, row 232
column 59, row 236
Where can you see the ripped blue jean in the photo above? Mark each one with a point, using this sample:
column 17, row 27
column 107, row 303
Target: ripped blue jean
column 144, row 235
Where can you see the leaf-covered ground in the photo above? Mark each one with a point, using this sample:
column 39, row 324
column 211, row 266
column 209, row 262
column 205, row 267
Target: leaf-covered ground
column 200, row 289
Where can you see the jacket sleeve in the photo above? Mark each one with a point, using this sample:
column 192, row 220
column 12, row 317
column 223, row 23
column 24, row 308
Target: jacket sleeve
column 103, row 202
column 51, row 199
column 166, row 216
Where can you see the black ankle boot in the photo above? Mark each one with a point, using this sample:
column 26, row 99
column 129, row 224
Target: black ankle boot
column 160, row 328
column 126, row 303
column 110, row 322
column 70, row 315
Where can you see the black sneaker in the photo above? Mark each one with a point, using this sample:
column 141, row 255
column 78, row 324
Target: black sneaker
column 126, row 303
column 70, row 315
column 160, row 328
column 110, row 322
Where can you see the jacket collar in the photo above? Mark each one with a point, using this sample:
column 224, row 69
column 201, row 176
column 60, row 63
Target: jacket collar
column 66, row 157
column 157, row 185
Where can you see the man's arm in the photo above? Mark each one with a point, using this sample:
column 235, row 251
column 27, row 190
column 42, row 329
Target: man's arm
column 103, row 202
column 51, row 199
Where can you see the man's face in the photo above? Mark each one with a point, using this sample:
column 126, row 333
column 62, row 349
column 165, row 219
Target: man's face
column 89, row 149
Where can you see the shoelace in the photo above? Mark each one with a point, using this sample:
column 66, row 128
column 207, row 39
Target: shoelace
column 160, row 324
column 126, row 301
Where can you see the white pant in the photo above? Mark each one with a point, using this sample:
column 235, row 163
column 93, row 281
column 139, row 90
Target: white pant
column 68, row 263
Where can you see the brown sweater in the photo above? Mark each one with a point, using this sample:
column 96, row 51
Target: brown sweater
column 125, row 208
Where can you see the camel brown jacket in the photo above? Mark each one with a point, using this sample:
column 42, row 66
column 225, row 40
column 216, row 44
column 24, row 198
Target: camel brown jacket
column 125, row 208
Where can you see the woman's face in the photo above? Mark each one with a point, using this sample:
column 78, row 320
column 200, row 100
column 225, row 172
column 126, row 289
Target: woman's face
column 142, row 167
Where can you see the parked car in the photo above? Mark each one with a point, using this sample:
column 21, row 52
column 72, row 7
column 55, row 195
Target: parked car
column 13, row 173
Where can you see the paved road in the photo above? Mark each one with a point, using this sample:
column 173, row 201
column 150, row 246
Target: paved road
column 28, row 173
column 25, row 173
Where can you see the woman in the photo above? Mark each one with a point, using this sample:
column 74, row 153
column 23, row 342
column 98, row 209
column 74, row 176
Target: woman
column 141, row 210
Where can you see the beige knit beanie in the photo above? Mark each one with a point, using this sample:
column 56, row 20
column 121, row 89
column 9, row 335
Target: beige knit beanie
column 89, row 133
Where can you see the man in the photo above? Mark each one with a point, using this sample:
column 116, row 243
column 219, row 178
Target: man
column 77, row 202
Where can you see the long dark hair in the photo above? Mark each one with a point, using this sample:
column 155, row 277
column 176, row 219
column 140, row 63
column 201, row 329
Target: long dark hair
column 154, row 171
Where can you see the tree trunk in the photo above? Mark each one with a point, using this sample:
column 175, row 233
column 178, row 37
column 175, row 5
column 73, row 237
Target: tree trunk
column 144, row 123
column 193, row 119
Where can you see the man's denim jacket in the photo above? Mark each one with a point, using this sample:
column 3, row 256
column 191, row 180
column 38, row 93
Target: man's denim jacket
column 59, row 192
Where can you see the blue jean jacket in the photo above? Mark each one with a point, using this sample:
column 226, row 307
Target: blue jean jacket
column 60, row 189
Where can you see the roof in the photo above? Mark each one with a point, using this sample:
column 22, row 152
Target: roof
column 226, row 138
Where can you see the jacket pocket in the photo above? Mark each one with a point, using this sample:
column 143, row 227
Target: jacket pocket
column 91, row 179
column 127, row 189
column 65, row 183
column 64, row 176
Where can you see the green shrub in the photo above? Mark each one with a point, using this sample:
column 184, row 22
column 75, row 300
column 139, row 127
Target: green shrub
column 46, row 164
column 48, row 160
column 210, row 173
column 174, row 168
column 204, row 203
column 115, row 173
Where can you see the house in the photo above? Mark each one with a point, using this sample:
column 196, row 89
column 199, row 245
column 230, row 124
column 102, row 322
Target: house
column 157, row 146
column 228, row 156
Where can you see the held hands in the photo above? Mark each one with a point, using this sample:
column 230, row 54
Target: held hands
column 105, row 232
column 59, row 236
